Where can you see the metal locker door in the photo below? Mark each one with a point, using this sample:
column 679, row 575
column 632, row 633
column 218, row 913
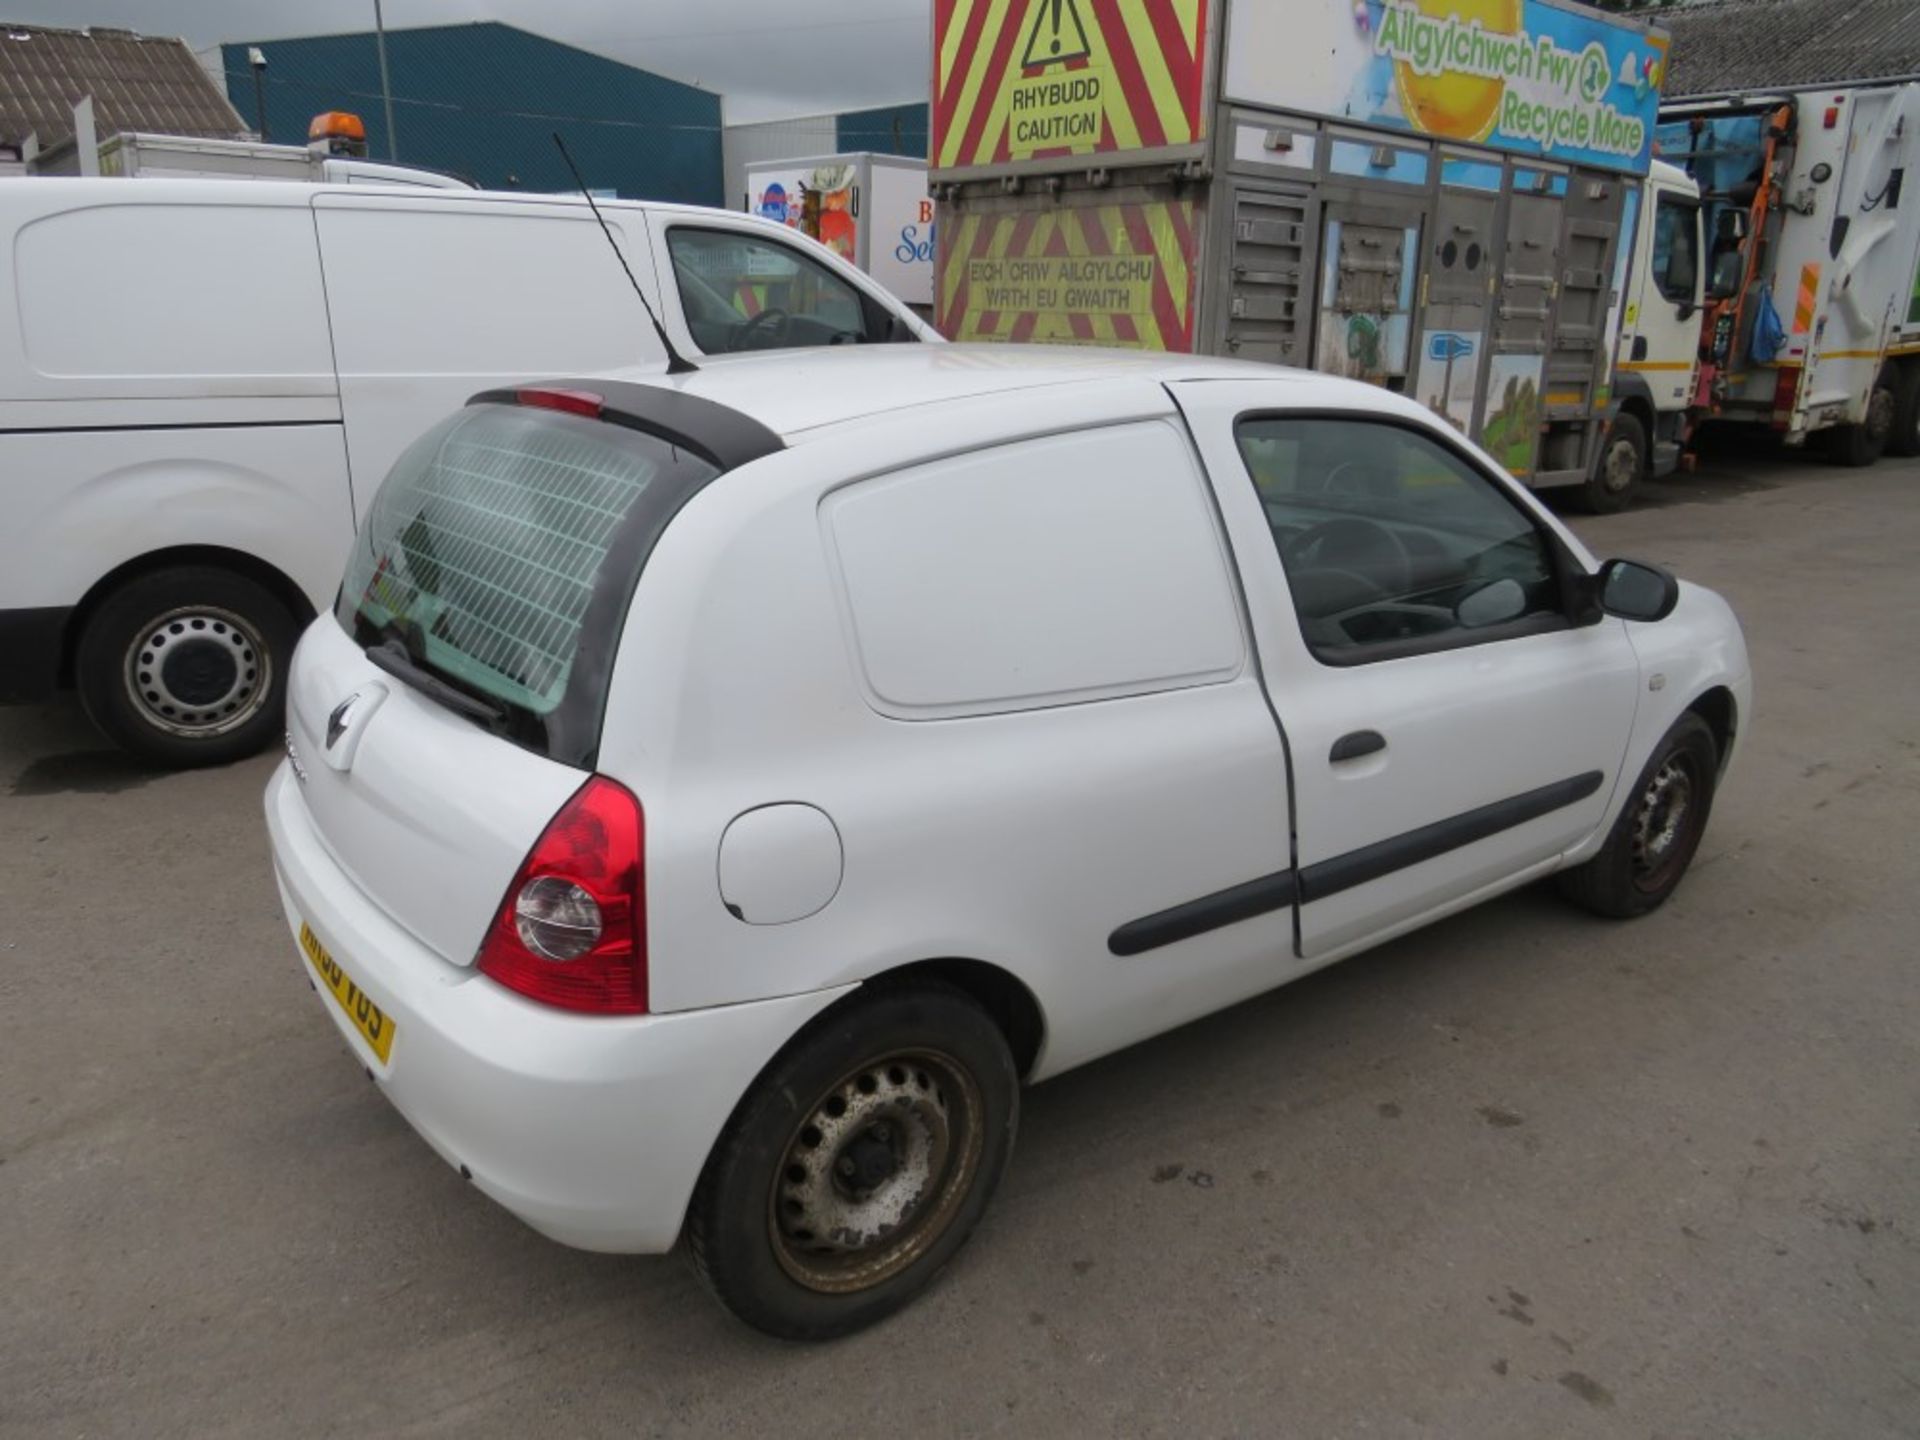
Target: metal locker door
column 1577, row 362
column 1269, row 286
column 1516, row 371
column 1459, row 287
column 1370, row 254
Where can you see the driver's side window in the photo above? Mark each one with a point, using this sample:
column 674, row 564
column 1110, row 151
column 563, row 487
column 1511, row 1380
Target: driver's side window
column 1393, row 544
column 742, row 292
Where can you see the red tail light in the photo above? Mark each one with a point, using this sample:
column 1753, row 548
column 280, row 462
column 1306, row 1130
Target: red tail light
column 572, row 402
column 572, row 930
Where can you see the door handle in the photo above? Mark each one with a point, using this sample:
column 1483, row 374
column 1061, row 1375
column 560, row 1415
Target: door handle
column 1356, row 745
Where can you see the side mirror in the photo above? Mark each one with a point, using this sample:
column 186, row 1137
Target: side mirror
column 1727, row 271
column 1630, row 590
column 1491, row 604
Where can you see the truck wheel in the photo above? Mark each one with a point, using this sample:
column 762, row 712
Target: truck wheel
column 1622, row 466
column 857, row 1165
column 1864, row 443
column 1904, row 437
column 1652, row 843
column 187, row 666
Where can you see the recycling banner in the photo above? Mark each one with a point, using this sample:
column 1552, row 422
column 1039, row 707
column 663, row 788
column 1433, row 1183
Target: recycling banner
column 1022, row 80
column 1518, row 75
column 1073, row 274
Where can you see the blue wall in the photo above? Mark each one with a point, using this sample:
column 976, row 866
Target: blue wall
column 874, row 130
column 483, row 100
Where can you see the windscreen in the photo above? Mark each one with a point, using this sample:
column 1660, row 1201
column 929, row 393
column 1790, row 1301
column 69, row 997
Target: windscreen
column 499, row 557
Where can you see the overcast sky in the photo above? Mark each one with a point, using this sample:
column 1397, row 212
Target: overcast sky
column 766, row 57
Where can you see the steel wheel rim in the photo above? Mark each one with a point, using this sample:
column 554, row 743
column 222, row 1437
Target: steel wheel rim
column 1623, row 459
column 198, row 671
column 876, row 1170
column 1665, row 818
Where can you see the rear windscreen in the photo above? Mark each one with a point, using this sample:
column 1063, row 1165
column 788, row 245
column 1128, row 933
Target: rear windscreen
column 500, row 555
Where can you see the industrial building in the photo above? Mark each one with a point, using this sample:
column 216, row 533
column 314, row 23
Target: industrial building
column 483, row 100
column 889, row 130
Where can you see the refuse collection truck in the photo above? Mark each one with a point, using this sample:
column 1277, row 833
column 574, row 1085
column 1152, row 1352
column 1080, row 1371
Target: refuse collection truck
column 1439, row 196
column 1810, row 224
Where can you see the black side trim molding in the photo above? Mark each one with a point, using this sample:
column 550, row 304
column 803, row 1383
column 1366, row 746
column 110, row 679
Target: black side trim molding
column 1209, row 912
column 1370, row 862
column 1343, row 872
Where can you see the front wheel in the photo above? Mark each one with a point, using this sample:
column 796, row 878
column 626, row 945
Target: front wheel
column 1653, row 842
column 858, row 1164
column 187, row 666
column 1622, row 466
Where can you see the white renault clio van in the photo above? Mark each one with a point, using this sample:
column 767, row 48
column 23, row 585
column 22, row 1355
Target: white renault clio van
column 202, row 384
column 711, row 797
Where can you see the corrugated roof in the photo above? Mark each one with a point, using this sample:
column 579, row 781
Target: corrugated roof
column 137, row 82
column 1722, row 46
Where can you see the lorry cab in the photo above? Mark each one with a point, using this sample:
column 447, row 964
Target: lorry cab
column 1659, row 364
column 203, row 383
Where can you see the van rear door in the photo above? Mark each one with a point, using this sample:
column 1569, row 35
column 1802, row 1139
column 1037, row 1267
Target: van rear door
column 435, row 297
column 453, row 700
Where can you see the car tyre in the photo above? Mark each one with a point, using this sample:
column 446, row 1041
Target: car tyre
column 1659, row 828
column 187, row 666
column 858, row 1164
column 1904, row 438
column 1621, row 468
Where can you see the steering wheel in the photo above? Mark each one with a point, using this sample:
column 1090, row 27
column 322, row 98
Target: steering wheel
column 773, row 320
column 1350, row 544
column 1353, row 478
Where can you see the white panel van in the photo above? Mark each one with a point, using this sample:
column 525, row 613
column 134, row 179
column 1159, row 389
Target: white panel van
column 202, row 385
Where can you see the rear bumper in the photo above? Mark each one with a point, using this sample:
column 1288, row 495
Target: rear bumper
column 593, row 1130
column 30, row 647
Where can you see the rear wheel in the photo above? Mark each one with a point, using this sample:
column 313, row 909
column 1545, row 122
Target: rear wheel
column 1864, row 443
column 1904, row 438
column 858, row 1165
column 187, row 666
column 1623, row 465
column 1659, row 829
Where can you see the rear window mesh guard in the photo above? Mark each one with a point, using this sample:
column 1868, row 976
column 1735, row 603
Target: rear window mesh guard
column 499, row 559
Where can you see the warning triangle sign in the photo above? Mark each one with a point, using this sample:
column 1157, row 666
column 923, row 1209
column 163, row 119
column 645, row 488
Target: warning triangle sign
column 1057, row 35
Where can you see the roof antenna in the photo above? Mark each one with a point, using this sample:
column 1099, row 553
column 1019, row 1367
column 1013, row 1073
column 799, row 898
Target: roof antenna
column 677, row 364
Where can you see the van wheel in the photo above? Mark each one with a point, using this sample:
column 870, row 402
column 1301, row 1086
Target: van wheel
column 187, row 666
column 1862, row 444
column 1622, row 466
column 1653, row 841
column 858, row 1164
column 1904, row 437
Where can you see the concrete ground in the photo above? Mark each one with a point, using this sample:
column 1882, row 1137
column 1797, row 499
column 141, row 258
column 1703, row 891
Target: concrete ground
column 1524, row 1174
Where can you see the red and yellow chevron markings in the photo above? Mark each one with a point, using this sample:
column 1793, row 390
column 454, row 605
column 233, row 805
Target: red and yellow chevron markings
column 1032, row 79
column 1809, row 288
column 1085, row 274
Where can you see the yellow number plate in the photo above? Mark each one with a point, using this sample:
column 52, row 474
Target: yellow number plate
column 368, row 1018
